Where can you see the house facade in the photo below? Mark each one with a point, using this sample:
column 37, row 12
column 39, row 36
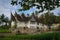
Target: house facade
column 30, row 22
column 23, row 21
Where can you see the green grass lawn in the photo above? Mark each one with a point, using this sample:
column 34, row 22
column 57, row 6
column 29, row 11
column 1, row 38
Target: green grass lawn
column 44, row 36
column 4, row 31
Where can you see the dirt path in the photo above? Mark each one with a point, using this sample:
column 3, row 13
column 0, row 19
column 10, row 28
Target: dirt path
column 5, row 34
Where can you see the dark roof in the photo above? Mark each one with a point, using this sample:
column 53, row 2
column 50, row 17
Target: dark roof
column 18, row 17
column 12, row 17
column 22, row 17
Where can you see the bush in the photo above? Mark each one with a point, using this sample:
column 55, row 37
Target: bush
column 4, row 27
column 58, row 29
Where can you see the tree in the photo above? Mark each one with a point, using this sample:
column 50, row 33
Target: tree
column 3, row 20
column 0, row 19
column 41, row 19
column 57, row 19
column 41, row 4
column 28, row 15
column 48, row 19
column 6, row 21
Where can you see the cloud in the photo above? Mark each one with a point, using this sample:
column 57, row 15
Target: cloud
column 4, row 11
column 56, row 11
column 6, row 8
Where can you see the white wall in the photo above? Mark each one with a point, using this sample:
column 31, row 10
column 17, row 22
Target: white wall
column 20, row 24
column 28, row 24
column 32, row 25
column 12, row 23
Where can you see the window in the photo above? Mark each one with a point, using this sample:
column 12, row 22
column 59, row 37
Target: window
column 32, row 22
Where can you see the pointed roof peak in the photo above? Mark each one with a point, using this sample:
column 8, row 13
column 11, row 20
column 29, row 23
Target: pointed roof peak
column 12, row 17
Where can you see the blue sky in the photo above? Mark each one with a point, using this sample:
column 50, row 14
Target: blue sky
column 6, row 8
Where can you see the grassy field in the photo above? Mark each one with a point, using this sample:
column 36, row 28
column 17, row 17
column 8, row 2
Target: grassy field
column 44, row 36
column 4, row 31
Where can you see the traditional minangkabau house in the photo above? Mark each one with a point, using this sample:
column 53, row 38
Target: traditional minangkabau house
column 21, row 21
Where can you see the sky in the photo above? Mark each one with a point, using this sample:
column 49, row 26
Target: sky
column 6, row 8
